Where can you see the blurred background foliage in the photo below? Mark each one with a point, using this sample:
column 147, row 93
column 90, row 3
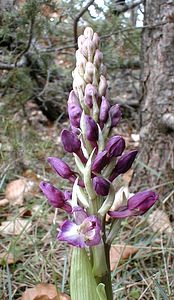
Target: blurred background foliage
column 37, row 43
column 38, row 39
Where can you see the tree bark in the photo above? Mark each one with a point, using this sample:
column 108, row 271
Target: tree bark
column 156, row 160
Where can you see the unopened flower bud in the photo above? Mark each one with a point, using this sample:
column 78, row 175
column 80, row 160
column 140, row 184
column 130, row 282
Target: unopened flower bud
column 89, row 72
column 102, row 86
column 80, row 41
column 70, row 141
column 88, row 33
column 123, row 164
column 115, row 146
column 78, row 83
column 88, row 49
column 90, row 93
column 91, row 129
column 104, row 111
column 101, row 186
column 98, row 57
column 115, row 114
column 56, row 197
column 80, row 62
column 61, row 168
column 68, row 195
column 100, row 161
column 96, row 40
column 74, row 110
column 142, row 201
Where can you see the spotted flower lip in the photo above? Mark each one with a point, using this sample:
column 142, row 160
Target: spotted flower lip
column 87, row 233
column 56, row 197
column 138, row 204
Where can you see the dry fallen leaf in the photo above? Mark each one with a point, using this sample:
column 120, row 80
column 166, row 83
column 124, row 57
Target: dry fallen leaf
column 119, row 252
column 159, row 221
column 15, row 227
column 17, row 189
column 43, row 291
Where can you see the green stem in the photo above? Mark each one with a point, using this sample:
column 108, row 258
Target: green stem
column 101, row 267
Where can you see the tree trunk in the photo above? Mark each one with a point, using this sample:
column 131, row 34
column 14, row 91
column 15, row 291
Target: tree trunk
column 156, row 160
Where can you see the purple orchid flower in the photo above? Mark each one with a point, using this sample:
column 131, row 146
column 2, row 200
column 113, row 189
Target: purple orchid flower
column 137, row 205
column 115, row 146
column 85, row 231
column 61, row 168
column 91, row 129
column 123, row 164
column 90, row 92
column 100, row 161
column 71, row 144
column 101, row 186
column 70, row 141
column 104, row 111
column 115, row 115
column 56, row 197
column 74, row 110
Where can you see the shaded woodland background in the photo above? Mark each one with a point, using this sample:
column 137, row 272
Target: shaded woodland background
column 38, row 39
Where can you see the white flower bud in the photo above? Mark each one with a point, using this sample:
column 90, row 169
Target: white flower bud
column 80, row 62
column 78, row 82
column 96, row 39
column 88, row 49
column 98, row 57
column 88, row 33
column 89, row 72
column 80, row 41
column 102, row 86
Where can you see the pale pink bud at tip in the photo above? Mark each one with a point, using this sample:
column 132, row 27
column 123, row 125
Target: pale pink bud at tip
column 96, row 40
column 80, row 41
column 88, row 33
column 102, row 86
column 98, row 57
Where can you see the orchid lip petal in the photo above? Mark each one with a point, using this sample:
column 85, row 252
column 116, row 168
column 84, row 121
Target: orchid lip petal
column 88, row 233
column 69, row 233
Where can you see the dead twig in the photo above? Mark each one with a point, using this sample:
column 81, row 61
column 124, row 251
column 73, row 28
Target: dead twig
column 77, row 18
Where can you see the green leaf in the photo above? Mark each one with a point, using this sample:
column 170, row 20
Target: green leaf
column 82, row 283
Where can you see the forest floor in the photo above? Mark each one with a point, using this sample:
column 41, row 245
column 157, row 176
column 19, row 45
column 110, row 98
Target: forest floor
column 143, row 255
